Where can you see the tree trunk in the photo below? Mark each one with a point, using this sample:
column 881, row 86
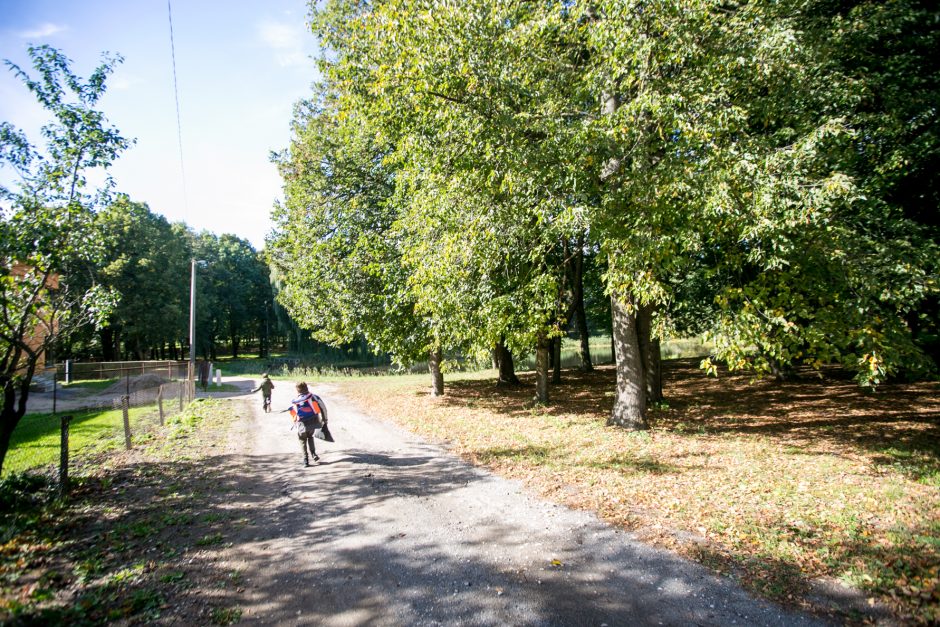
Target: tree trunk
column 235, row 343
column 7, row 424
column 656, row 361
column 14, row 386
column 556, row 360
column 630, row 402
column 580, row 317
column 581, row 322
column 541, row 370
column 8, row 419
column 264, row 349
column 494, row 356
column 507, row 370
column 107, row 344
column 649, row 353
column 781, row 372
column 437, row 377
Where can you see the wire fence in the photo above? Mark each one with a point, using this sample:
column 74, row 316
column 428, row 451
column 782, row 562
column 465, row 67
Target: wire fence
column 72, row 426
column 71, row 371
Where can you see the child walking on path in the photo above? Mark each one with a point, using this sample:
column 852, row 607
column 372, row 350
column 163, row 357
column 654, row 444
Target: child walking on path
column 309, row 413
column 266, row 386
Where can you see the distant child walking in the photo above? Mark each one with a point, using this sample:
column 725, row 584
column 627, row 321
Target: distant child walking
column 266, row 386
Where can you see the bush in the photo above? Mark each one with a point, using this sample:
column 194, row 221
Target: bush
column 22, row 491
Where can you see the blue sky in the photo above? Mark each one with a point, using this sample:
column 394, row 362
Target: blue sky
column 241, row 65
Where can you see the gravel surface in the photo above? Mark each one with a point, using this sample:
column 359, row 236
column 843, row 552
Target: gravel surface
column 392, row 530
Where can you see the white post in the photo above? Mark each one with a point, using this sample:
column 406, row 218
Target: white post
column 218, row 377
column 68, row 371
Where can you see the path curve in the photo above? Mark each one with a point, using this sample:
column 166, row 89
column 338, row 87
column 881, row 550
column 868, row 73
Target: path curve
column 392, row 530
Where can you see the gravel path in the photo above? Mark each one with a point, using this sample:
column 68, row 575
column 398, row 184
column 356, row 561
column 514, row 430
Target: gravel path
column 392, row 530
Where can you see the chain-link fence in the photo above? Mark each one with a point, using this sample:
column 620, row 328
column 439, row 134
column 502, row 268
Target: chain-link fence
column 73, row 425
column 70, row 371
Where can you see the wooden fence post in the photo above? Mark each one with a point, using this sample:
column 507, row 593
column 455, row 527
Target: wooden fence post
column 125, row 402
column 181, row 395
column 64, row 456
column 160, row 403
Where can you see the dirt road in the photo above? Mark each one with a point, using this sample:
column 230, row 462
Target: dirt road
column 392, row 530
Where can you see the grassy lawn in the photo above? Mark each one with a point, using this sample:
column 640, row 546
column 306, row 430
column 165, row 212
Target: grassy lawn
column 785, row 486
column 227, row 388
column 36, row 439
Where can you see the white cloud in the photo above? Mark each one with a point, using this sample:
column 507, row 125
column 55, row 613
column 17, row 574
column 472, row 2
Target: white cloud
column 286, row 40
column 46, row 29
column 122, row 82
column 279, row 35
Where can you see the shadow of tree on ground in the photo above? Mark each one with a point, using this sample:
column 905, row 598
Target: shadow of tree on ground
column 825, row 409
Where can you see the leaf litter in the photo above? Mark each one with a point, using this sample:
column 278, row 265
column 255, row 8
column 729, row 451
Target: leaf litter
column 804, row 491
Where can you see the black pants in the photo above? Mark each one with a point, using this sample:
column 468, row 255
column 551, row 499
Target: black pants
column 306, row 441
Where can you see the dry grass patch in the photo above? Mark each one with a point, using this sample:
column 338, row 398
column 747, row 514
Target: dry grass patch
column 784, row 485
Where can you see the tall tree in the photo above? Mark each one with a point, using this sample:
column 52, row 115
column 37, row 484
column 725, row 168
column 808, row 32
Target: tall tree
column 147, row 265
column 334, row 249
column 47, row 227
column 232, row 292
column 242, row 284
column 479, row 130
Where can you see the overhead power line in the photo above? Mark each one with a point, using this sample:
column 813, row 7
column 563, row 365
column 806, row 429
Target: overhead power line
column 179, row 125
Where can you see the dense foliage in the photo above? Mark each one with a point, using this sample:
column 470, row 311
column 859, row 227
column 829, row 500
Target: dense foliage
column 762, row 171
column 148, row 265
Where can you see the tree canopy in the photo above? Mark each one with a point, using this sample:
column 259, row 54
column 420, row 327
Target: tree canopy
column 757, row 170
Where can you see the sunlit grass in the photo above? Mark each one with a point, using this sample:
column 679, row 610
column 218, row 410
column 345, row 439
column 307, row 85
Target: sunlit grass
column 88, row 385
column 36, row 440
column 224, row 387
